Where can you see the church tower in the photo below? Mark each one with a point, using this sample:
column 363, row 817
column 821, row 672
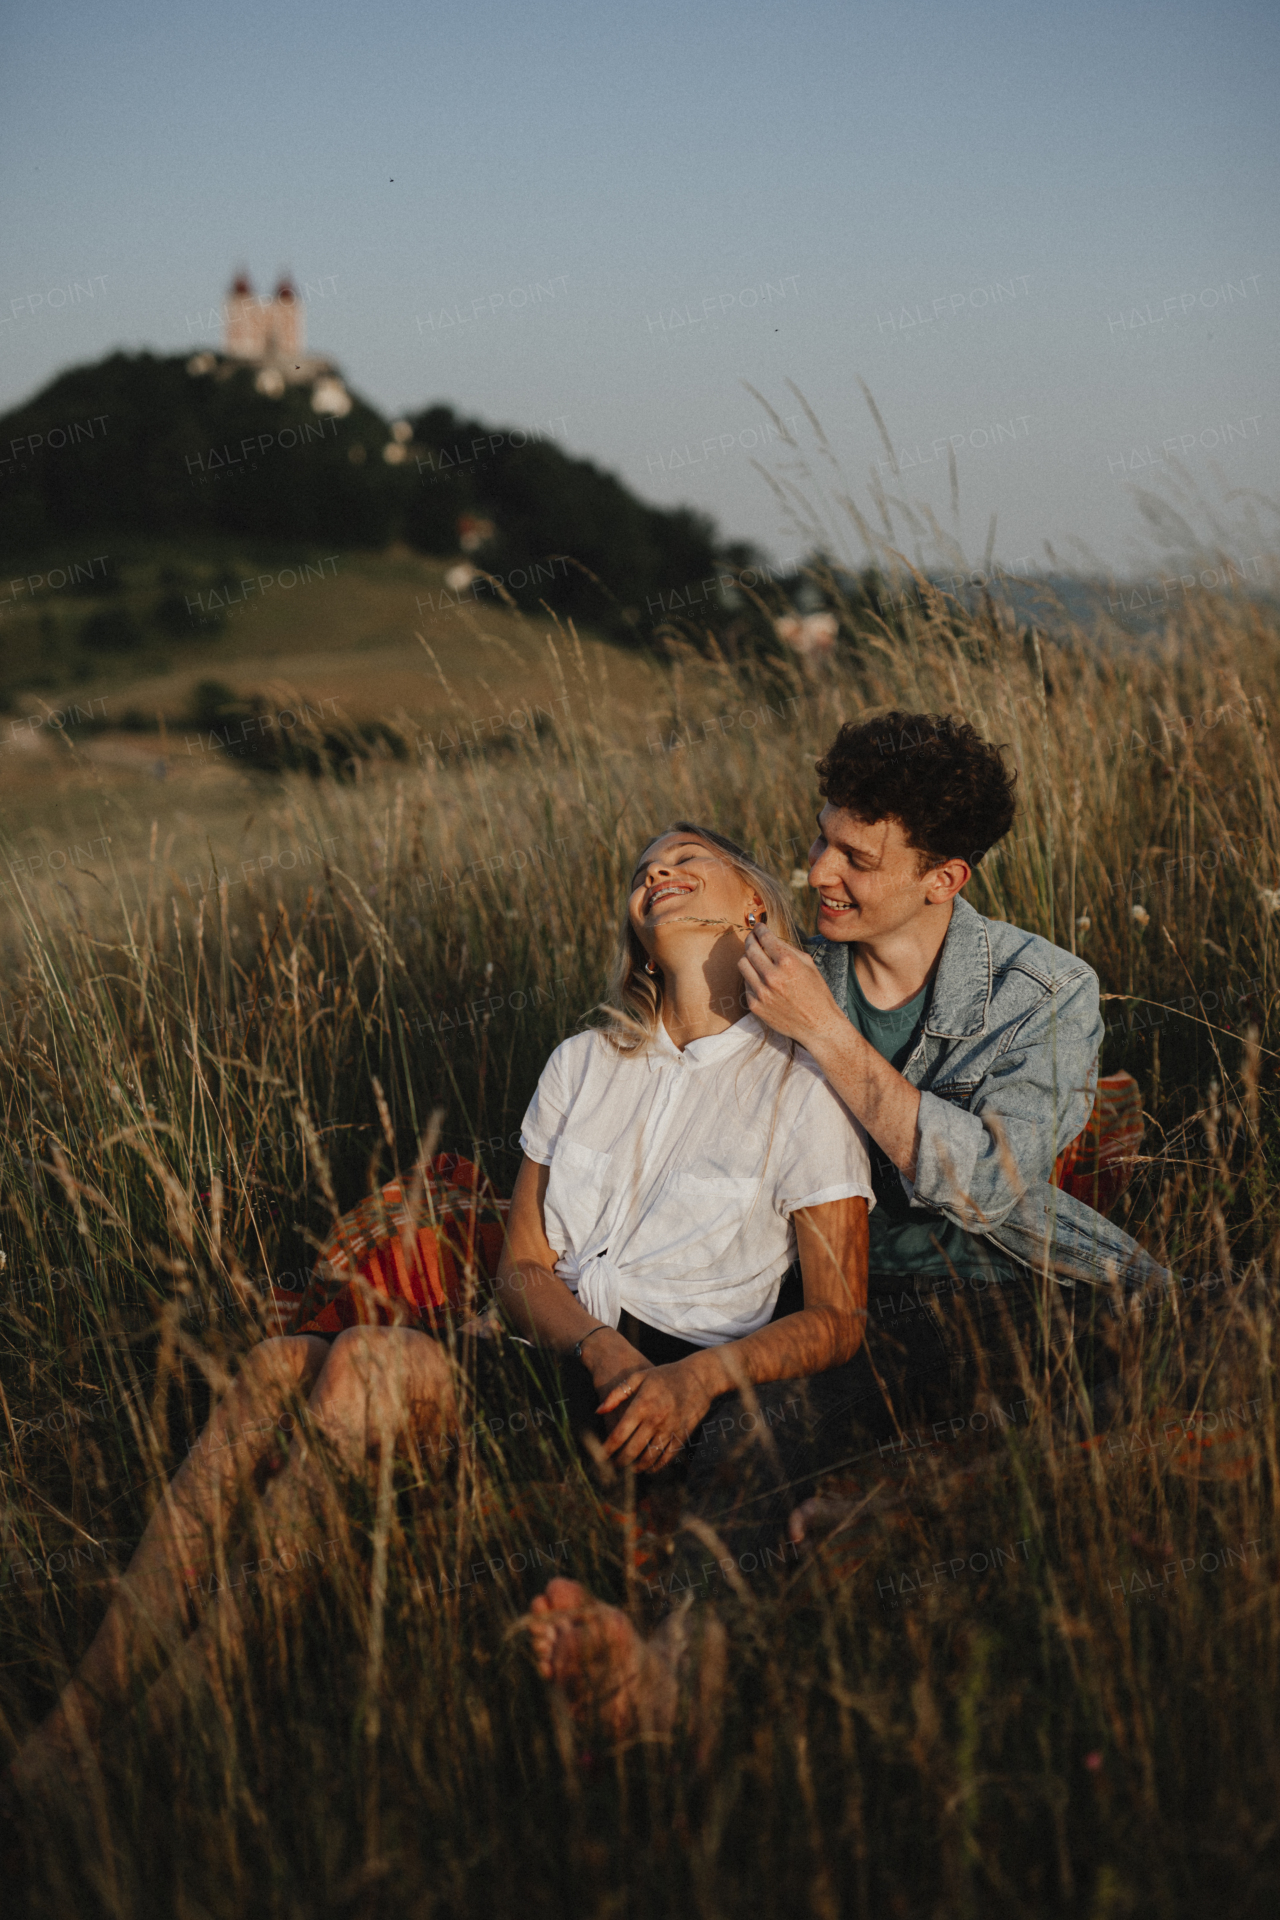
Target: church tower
column 244, row 318
column 286, row 323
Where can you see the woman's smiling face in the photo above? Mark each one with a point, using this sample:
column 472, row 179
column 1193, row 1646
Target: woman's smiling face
column 682, row 881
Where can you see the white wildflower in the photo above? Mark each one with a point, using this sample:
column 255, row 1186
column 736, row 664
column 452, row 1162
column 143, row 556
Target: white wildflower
column 1083, row 924
column 799, row 878
column 1139, row 915
column 1269, row 899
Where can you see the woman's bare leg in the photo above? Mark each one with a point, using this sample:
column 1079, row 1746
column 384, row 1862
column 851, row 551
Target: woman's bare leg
column 379, row 1387
column 149, row 1612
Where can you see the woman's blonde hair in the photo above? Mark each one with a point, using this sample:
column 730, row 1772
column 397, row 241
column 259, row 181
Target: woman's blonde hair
column 633, row 1011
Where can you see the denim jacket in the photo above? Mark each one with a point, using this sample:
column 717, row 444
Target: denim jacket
column 1007, row 1067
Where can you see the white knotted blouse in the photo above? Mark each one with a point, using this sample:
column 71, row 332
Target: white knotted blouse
column 674, row 1175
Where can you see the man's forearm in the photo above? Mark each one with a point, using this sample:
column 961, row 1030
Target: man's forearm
column 874, row 1092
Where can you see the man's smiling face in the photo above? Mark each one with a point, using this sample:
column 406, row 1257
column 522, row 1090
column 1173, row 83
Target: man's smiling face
column 867, row 878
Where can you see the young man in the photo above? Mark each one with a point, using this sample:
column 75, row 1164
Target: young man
column 968, row 1048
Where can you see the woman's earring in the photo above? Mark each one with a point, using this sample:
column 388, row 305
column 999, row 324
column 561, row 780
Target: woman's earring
column 649, row 967
column 751, row 920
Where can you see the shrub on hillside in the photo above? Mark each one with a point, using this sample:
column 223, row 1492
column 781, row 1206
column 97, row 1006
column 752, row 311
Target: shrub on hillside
column 172, row 614
column 111, row 630
column 287, row 740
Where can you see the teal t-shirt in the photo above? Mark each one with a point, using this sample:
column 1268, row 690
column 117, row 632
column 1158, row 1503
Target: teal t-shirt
column 903, row 1240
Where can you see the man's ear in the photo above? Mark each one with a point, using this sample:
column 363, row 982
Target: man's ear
column 946, row 881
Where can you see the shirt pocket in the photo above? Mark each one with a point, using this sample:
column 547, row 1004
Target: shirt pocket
column 577, row 1194
column 706, row 1215
column 578, row 1169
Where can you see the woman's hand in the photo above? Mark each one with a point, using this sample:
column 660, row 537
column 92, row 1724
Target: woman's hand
column 609, row 1358
column 654, row 1410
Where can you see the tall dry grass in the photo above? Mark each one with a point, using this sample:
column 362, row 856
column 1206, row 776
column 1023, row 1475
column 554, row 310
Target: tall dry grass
column 197, row 1073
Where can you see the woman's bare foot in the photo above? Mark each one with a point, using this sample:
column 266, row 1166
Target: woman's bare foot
column 605, row 1671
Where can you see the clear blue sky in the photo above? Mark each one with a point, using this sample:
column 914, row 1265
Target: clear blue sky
column 875, row 163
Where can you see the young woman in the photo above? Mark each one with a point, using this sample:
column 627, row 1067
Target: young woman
column 677, row 1161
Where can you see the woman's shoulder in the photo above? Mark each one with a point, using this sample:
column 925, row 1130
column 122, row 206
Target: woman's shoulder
column 810, row 1087
column 797, row 1083
column 815, row 1088
column 787, row 1058
column 572, row 1061
column 564, row 1079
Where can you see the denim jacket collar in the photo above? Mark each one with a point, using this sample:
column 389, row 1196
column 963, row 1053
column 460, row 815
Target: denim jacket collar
column 961, row 987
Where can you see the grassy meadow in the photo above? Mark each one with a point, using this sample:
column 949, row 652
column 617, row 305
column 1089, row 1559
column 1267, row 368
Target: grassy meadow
column 264, row 990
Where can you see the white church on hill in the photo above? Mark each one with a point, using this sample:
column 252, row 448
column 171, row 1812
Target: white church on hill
column 270, row 334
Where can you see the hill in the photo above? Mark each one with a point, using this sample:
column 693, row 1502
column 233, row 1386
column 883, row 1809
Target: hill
column 312, row 654
column 174, row 448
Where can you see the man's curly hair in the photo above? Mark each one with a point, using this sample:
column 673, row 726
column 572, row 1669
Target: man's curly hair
column 948, row 787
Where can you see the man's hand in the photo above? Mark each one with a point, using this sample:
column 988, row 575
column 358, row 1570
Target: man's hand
column 787, row 992
column 785, row 989
column 654, row 1410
